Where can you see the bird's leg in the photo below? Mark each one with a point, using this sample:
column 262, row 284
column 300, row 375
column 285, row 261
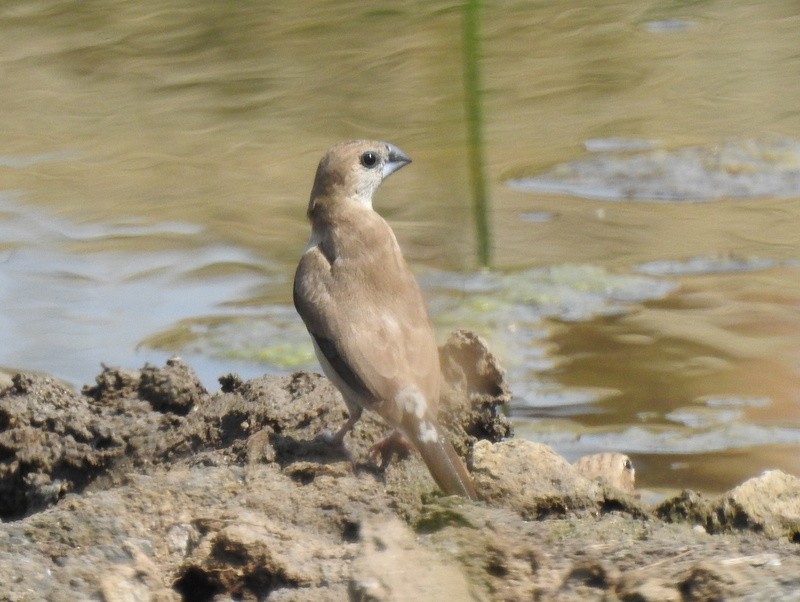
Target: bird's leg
column 386, row 448
column 338, row 437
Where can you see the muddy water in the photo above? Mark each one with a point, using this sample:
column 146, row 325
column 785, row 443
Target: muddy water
column 156, row 157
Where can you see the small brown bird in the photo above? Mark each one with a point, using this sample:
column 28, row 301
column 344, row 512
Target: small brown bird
column 365, row 312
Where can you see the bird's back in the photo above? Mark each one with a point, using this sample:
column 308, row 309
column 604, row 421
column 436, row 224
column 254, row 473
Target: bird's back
column 380, row 320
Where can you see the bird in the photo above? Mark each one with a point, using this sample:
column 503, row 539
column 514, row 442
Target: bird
column 612, row 467
column 365, row 312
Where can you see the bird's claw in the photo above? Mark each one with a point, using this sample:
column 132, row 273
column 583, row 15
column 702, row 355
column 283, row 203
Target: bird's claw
column 386, row 448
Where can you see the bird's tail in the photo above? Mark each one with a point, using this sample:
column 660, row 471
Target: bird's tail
column 445, row 465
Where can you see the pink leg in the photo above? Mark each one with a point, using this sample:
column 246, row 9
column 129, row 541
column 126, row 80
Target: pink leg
column 386, row 448
column 338, row 437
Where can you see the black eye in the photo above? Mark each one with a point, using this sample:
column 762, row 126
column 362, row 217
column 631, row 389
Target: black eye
column 369, row 159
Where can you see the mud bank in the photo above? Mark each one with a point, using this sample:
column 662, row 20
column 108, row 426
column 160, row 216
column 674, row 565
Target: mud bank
column 146, row 487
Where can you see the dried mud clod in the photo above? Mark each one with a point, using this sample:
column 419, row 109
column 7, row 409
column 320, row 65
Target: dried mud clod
column 113, row 384
column 474, row 391
column 769, row 503
column 706, row 584
column 533, row 480
column 254, row 557
column 241, row 498
column 54, row 441
column 174, row 388
column 589, row 579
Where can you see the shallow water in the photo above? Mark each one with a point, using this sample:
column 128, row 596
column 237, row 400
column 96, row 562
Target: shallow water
column 156, row 158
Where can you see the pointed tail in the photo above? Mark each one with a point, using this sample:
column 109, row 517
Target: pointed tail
column 445, row 465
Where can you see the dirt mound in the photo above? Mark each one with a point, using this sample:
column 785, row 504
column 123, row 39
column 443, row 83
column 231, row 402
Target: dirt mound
column 146, row 487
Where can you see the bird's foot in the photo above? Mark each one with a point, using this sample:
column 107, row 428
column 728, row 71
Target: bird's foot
column 386, row 448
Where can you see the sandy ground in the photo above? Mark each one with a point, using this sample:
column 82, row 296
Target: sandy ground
column 146, row 487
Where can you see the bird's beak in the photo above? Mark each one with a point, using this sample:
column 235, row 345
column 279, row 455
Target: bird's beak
column 397, row 159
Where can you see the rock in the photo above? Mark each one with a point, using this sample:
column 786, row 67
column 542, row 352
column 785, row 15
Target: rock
column 535, row 481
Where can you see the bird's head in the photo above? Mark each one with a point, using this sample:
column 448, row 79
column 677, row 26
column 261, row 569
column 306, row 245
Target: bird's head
column 353, row 171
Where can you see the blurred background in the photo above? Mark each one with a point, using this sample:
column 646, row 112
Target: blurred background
column 642, row 188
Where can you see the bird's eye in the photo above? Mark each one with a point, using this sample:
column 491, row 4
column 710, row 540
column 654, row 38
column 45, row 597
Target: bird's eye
column 369, row 159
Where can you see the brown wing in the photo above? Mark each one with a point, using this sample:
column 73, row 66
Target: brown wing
column 314, row 303
column 369, row 319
